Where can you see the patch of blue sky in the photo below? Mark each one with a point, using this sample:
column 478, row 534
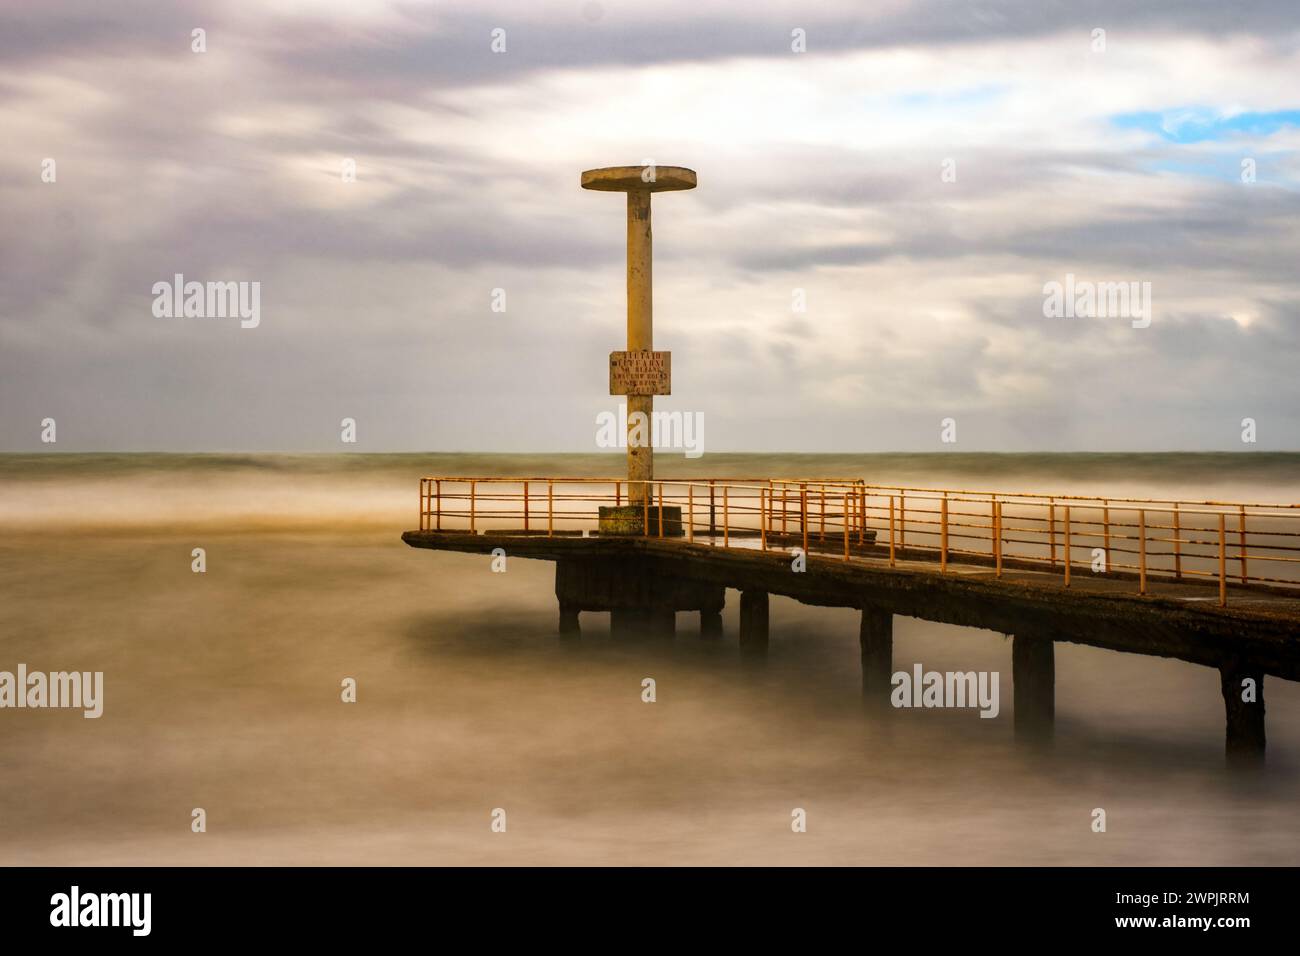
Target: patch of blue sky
column 1198, row 124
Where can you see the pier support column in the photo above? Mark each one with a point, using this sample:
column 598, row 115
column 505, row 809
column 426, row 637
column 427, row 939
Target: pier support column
column 876, row 638
column 569, row 625
column 1243, row 703
column 711, row 624
column 753, row 622
column 1033, row 673
column 663, row 622
column 628, row 622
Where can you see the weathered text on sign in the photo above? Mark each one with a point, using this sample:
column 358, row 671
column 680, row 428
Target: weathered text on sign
column 642, row 372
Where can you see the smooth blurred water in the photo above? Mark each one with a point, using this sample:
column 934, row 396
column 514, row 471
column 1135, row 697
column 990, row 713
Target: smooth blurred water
column 222, row 691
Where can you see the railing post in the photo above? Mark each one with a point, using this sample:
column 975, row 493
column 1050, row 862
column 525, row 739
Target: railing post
column 821, row 518
column 846, row 527
column 891, row 531
column 550, row 508
column 438, row 507
column 1067, row 546
column 862, row 513
column 1245, row 578
column 1223, row 564
column 1178, row 546
column 803, row 511
column 618, row 494
column 763, row 498
column 997, row 541
column 1105, row 531
column 646, row 495
column 690, row 511
column 943, row 533
column 1142, row 551
column 993, row 508
column 785, row 505
column 726, row 519
column 713, row 528
column 902, row 522
column 525, row 504
column 1051, row 528
column 472, row 529
column 661, row 509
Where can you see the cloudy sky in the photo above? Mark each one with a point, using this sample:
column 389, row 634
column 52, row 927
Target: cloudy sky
column 821, row 171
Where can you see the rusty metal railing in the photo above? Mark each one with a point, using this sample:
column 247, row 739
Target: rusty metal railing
column 1144, row 540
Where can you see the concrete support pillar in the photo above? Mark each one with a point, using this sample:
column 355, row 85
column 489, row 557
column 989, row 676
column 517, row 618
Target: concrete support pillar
column 663, row 622
column 1033, row 674
column 1243, row 703
column 876, row 639
column 569, row 625
column 627, row 623
column 711, row 624
column 753, row 622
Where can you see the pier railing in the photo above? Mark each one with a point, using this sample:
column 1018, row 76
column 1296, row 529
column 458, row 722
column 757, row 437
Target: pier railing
column 1215, row 543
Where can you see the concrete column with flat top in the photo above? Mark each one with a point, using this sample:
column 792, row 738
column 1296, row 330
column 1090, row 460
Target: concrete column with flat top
column 1033, row 674
column 1244, row 741
column 639, row 182
column 876, row 640
column 753, row 622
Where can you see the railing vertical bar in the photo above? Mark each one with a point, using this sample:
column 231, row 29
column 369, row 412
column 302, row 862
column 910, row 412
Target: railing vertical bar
column 1178, row 545
column 846, row 527
column 803, row 511
column 550, row 508
column 1105, row 524
column 726, row 518
column 1245, row 578
column 891, row 531
column 902, row 523
column 1142, row 551
column 713, row 527
column 690, row 511
column 943, row 533
column 862, row 513
column 1067, row 545
column 438, row 507
column 997, row 541
column 1223, row 563
column 472, row 529
column 764, row 501
column 525, row 504
column 661, row 509
column 1051, row 529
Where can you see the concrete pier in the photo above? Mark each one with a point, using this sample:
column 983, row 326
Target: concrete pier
column 753, row 622
column 1033, row 673
column 876, row 640
column 711, row 624
column 1244, row 738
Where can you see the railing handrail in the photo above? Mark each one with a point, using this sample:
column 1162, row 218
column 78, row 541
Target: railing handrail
column 1023, row 530
column 862, row 483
